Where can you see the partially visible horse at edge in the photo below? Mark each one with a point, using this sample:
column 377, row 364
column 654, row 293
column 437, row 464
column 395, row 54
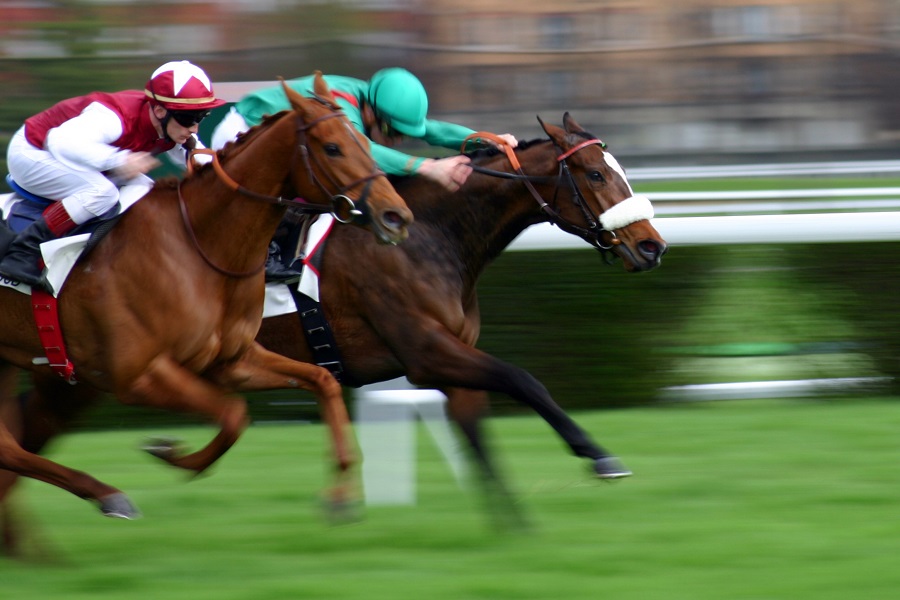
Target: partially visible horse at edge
column 164, row 310
column 413, row 310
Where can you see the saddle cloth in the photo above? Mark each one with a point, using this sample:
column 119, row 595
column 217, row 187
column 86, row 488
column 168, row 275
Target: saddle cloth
column 278, row 297
column 60, row 254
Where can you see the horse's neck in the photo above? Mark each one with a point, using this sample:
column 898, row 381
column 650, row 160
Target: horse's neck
column 481, row 220
column 218, row 213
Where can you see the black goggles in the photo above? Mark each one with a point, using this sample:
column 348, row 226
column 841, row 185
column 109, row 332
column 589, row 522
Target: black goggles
column 188, row 118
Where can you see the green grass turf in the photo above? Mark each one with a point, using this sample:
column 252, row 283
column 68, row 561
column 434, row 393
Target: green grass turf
column 742, row 500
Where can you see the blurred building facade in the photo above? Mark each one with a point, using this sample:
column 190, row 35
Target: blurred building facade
column 661, row 81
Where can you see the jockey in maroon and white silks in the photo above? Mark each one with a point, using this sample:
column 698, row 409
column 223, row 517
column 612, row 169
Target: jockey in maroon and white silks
column 89, row 151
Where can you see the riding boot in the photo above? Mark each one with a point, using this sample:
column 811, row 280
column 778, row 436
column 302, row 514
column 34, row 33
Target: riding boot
column 22, row 261
column 276, row 271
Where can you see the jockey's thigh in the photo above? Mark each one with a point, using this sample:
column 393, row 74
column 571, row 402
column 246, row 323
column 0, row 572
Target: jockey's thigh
column 85, row 194
column 228, row 129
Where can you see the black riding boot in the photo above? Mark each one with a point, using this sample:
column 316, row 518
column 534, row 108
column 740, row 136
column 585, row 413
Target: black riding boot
column 22, row 261
column 276, row 271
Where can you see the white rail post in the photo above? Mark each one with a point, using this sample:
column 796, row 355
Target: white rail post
column 387, row 417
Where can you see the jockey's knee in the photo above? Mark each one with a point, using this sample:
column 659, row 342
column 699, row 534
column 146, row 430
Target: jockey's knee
column 92, row 202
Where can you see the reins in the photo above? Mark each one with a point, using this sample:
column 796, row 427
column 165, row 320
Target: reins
column 185, row 218
column 514, row 161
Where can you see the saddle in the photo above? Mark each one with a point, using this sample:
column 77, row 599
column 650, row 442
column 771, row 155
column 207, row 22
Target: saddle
column 286, row 252
column 21, row 208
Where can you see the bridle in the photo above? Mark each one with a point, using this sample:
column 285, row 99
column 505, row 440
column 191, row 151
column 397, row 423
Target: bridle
column 593, row 233
column 355, row 211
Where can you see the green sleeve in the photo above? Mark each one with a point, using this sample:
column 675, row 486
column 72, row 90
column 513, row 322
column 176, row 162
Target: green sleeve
column 394, row 162
column 446, row 135
column 265, row 101
column 437, row 133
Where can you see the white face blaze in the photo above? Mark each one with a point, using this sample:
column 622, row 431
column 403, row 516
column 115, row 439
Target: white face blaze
column 615, row 166
column 628, row 211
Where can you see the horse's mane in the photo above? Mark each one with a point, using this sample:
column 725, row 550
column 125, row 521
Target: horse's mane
column 236, row 144
column 245, row 137
column 485, row 152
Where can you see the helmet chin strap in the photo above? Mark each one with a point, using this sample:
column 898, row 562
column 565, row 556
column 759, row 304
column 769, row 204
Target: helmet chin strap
column 165, row 125
column 164, row 122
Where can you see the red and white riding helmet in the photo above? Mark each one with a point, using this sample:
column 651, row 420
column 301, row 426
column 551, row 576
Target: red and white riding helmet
column 181, row 85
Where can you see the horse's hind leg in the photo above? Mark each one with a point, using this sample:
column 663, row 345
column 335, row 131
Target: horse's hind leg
column 13, row 458
column 467, row 408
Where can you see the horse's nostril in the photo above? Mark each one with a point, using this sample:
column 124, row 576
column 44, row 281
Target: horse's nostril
column 649, row 249
column 393, row 219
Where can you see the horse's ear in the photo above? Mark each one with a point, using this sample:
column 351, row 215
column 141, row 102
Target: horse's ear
column 543, row 125
column 570, row 124
column 557, row 134
column 295, row 98
column 322, row 91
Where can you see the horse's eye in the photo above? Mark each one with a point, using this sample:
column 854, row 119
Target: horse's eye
column 596, row 176
column 332, row 150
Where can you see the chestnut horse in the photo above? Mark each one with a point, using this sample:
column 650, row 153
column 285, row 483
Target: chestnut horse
column 413, row 310
column 164, row 310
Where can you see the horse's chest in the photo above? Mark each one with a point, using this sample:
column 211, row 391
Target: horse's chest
column 218, row 343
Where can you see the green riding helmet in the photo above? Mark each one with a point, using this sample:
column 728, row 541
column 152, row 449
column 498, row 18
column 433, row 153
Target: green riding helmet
column 398, row 97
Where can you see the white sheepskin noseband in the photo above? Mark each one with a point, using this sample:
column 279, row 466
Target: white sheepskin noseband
column 628, row 211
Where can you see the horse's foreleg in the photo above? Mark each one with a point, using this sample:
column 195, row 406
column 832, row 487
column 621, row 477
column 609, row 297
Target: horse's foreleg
column 261, row 370
column 169, row 386
column 452, row 362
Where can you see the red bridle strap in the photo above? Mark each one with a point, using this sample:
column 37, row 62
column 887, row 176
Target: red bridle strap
column 576, row 148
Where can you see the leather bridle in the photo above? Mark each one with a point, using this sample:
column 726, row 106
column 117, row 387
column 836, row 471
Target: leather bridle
column 593, row 233
column 342, row 207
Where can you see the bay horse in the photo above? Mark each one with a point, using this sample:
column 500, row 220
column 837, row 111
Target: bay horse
column 163, row 311
column 420, row 317
column 413, row 310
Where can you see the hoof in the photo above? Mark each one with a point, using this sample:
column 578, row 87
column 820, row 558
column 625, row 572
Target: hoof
column 343, row 512
column 118, row 506
column 610, row 468
column 164, row 448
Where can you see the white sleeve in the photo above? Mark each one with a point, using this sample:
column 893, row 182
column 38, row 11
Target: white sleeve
column 85, row 141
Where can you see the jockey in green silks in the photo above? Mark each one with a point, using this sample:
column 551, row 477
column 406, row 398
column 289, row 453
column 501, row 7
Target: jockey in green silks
column 391, row 106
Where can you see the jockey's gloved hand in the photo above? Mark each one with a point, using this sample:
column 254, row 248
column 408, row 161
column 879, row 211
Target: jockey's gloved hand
column 509, row 138
column 136, row 163
column 450, row 172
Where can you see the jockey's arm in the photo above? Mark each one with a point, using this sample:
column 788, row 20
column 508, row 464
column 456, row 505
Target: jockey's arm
column 86, row 141
column 451, row 135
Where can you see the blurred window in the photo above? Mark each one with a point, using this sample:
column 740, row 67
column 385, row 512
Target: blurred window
column 557, row 32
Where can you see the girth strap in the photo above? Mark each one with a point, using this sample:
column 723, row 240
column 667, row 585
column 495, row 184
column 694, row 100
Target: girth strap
column 46, row 317
column 318, row 333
